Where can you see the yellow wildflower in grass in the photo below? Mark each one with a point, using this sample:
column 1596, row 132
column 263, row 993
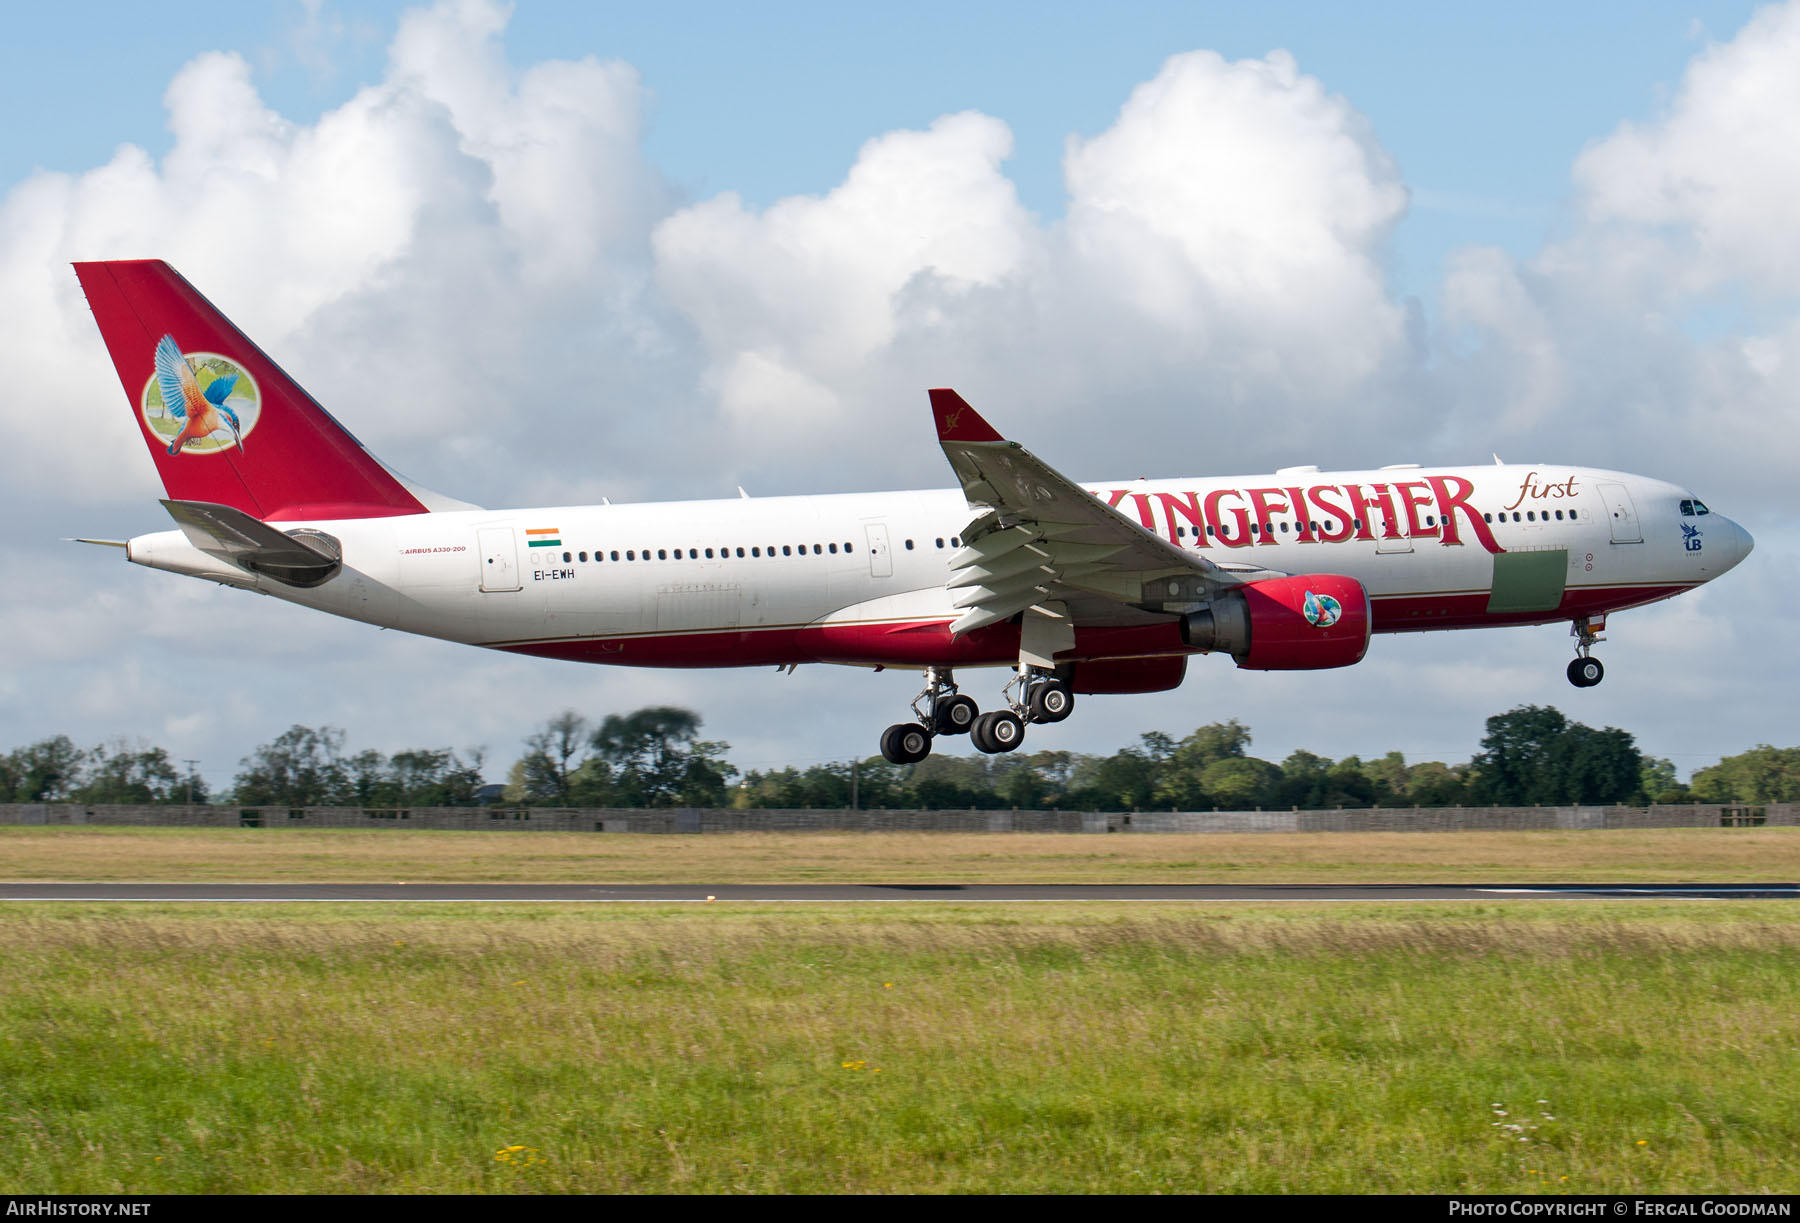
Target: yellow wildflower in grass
column 519, row 1156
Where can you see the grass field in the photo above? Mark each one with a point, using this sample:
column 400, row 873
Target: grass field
column 1488, row 1047
column 1718, row 855
column 1550, row 1047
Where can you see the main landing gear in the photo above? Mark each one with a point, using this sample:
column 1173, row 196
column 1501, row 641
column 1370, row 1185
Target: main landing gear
column 1032, row 695
column 1585, row 672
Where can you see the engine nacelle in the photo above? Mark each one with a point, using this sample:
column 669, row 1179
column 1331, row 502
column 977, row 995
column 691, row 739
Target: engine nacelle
column 1303, row 623
column 1112, row 675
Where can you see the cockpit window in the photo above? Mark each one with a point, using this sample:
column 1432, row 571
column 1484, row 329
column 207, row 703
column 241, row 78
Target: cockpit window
column 1693, row 508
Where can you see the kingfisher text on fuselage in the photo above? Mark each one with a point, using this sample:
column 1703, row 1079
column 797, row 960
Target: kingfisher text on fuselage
column 1432, row 507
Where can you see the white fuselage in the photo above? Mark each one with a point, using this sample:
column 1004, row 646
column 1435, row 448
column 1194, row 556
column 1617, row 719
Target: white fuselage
column 860, row 578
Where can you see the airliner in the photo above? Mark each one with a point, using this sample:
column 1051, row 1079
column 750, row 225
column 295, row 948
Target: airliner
column 1074, row 588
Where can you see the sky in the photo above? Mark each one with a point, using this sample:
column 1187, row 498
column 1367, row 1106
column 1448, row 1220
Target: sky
column 543, row 254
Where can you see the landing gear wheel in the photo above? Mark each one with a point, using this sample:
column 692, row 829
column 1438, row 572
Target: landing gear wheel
column 906, row 743
column 1001, row 731
column 1050, row 701
column 1586, row 672
column 954, row 715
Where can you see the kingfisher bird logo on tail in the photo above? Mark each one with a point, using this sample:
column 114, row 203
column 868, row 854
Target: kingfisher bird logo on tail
column 207, row 403
column 199, row 387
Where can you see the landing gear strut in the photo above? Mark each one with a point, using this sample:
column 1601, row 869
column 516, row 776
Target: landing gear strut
column 1585, row 671
column 941, row 710
column 1033, row 694
column 1036, row 695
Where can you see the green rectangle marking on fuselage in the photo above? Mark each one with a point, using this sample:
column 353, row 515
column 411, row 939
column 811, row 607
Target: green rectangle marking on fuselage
column 1529, row 581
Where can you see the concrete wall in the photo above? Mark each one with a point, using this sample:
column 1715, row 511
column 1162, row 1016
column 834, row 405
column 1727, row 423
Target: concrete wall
column 693, row 820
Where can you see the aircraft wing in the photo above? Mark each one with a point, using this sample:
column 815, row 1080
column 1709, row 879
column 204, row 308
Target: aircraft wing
column 1041, row 542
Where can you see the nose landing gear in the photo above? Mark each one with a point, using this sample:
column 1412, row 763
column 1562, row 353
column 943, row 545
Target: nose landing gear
column 1585, row 672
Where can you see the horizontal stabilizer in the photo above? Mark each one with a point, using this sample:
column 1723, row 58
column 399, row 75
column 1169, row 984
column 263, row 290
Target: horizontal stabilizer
column 298, row 558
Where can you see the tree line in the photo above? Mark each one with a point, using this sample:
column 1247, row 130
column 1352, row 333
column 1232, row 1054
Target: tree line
column 655, row 757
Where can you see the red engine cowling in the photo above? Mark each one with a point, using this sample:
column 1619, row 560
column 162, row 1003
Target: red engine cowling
column 1127, row 674
column 1305, row 623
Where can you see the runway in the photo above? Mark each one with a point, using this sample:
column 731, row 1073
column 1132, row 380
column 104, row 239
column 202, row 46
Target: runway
column 869, row 893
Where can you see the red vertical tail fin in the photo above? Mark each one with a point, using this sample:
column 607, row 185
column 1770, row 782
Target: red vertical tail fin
column 222, row 420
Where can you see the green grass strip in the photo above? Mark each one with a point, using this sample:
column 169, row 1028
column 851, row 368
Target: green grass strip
column 1648, row 1048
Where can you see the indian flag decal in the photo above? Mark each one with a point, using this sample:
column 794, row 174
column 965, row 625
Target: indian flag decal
column 543, row 537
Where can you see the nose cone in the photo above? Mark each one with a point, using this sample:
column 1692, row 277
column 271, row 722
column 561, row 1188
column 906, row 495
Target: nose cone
column 1738, row 544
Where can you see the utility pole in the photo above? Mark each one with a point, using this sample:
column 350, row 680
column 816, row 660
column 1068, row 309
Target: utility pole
column 190, row 764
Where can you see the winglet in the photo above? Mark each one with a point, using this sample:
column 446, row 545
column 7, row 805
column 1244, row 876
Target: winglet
column 957, row 421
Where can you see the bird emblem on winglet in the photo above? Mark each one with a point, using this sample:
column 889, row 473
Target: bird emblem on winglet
column 203, row 412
